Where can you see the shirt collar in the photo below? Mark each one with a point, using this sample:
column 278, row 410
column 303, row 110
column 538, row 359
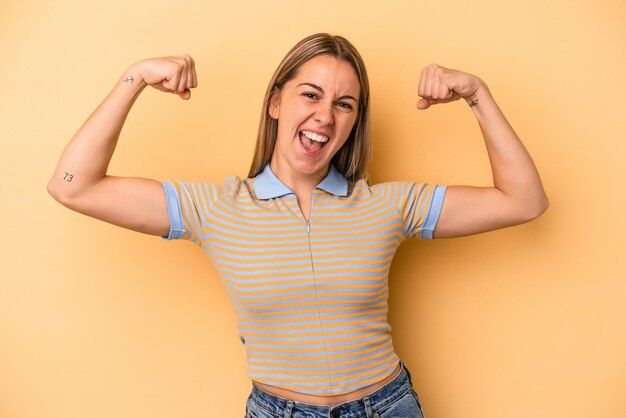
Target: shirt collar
column 268, row 186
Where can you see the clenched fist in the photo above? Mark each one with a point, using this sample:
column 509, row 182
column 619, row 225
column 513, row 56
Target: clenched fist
column 175, row 74
column 442, row 85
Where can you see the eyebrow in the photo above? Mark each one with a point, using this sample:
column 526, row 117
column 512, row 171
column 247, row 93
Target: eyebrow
column 321, row 90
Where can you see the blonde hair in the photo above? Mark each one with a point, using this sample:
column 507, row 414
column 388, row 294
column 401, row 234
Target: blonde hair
column 353, row 158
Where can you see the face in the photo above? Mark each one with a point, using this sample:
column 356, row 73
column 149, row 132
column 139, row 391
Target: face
column 316, row 111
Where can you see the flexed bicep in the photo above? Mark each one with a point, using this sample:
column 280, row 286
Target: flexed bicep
column 471, row 210
column 134, row 203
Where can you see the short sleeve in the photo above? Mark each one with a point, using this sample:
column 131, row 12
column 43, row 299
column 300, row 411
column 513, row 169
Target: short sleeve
column 185, row 204
column 421, row 209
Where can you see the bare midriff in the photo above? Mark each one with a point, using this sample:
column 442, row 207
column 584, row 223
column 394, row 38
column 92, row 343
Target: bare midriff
column 326, row 400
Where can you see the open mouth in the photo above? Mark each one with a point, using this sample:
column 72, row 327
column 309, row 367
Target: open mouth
column 311, row 141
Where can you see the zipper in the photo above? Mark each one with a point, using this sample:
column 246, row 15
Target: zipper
column 319, row 314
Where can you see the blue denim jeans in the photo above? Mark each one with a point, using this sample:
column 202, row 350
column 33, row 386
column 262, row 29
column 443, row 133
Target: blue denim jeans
column 396, row 399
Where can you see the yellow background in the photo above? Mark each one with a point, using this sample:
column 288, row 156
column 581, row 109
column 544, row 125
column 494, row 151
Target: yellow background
column 97, row 321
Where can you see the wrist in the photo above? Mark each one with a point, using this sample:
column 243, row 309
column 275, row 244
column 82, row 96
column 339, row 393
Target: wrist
column 481, row 92
column 133, row 77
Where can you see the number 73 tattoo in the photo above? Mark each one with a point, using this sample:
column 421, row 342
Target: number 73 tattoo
column 68, row 177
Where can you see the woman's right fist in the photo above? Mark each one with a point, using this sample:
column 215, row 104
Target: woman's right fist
column 175, row 74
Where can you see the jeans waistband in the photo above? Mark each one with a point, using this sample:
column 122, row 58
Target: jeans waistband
column 376, row 400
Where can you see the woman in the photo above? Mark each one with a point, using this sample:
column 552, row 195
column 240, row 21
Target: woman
column 304, row 244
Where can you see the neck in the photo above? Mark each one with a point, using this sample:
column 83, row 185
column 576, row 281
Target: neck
column 300, row 184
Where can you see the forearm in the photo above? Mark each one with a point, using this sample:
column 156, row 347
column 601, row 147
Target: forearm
column 86, row 158
column 514, row 172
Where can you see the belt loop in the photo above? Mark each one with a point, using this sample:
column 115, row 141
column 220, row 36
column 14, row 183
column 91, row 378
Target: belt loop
column 288, row 409
column 368, row 408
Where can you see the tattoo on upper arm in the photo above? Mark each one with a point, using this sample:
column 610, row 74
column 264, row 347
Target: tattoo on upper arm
column 129, row 79
column 68, row 177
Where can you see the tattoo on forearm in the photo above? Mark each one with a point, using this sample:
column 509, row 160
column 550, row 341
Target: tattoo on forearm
column 68, row 177
column 129, row 79
column 473, row 102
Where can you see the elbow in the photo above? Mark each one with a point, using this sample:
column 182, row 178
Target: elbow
column 545, row 204
column 52, row 190
column 59, row 195
column 536, row 208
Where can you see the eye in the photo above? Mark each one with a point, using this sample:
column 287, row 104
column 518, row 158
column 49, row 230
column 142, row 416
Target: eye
column 310, row 95
column 345, row 105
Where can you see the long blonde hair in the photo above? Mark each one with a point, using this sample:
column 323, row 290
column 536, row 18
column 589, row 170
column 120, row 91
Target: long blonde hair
column 353, row 158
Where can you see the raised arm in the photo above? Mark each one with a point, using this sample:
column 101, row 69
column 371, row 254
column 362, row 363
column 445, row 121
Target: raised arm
column 517, row 195
column 81, row 182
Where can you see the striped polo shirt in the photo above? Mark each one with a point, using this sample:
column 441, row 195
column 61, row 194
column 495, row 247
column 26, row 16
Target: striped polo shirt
column 310, row 295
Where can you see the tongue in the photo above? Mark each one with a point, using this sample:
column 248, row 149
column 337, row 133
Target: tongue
column 310, row 145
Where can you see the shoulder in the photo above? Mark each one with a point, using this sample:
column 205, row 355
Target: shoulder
column 236, row 187
column 364, row 188
column 232, row 187
column 365, row 184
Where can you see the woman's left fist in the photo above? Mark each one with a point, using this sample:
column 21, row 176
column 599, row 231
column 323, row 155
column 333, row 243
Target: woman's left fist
column 442, row 85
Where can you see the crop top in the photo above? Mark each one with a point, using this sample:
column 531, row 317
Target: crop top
column 310, row 296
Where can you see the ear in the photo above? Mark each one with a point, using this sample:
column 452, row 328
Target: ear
column 274, row 105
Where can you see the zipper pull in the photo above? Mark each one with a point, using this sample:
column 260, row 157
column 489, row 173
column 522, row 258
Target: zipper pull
column 308, row 226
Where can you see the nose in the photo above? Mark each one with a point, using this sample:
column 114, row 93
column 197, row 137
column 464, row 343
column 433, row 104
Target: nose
column 324, row 113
